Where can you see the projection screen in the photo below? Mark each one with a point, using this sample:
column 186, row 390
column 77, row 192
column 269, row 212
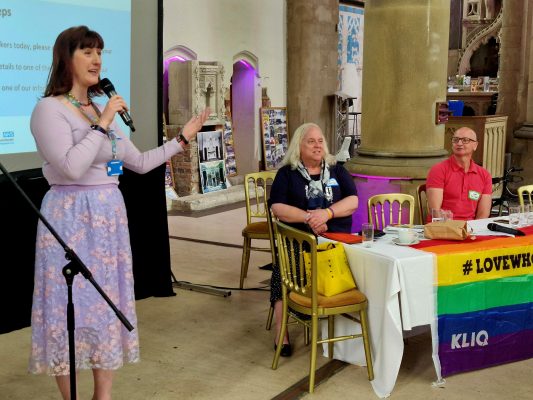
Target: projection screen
column 28, row 30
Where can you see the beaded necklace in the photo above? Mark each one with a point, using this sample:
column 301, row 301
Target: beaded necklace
column 76, row 103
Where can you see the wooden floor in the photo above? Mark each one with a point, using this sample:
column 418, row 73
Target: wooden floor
column 201, row 346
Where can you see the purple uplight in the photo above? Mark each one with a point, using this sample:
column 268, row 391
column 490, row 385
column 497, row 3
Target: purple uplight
column 174, row 58
column 247, row 65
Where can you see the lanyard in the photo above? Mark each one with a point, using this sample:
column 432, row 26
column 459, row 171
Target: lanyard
column 94, row 120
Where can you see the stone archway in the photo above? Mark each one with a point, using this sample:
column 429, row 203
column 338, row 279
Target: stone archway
column 481, row 37
column 177, row 53
column 245, row 103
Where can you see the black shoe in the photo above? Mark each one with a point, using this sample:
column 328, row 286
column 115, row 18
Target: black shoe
column 286, row 349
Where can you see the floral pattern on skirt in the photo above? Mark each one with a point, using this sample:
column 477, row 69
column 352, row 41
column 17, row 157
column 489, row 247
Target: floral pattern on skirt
column 93, row 222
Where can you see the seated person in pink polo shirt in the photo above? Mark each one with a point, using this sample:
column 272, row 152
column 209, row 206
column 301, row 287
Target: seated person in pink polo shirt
column 458, row 183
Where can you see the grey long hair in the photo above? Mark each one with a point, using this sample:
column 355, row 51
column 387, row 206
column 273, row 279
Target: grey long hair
column 292, row 157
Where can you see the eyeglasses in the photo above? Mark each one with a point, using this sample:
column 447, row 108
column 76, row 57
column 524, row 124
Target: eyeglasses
column 463, row 140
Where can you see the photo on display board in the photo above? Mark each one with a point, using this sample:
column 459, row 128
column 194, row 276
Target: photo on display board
column 210, row 146
column 275, row 135
column 212, row 176
column 231, row 165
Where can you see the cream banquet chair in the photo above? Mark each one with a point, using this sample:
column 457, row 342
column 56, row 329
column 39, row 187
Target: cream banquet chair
column 382, row 212
column 525, row 191
column 423, row 206
column 300, row 294
column 256, row 189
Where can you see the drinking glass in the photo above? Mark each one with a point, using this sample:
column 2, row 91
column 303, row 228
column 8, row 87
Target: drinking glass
column 436, row 215
column 367, row 232
column 514, row 216
column 527, row 215
column 447, row 215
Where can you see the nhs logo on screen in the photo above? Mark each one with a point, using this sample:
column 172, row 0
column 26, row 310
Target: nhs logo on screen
column 8, row 137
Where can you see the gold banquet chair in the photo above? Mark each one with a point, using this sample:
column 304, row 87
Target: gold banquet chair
column 274, row 250
column 525, row 191
column 300, row 294
column 423, row 205
column 256, row 189
column 380, row 203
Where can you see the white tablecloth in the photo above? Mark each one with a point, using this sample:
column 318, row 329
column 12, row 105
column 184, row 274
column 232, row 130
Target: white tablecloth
column 398, row 282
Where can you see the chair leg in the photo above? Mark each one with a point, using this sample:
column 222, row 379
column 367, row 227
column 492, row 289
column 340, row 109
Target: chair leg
column 314, row 339
column 281, row 336
column 245, row 260
column 306, row 335
column 366, row 342
column 270, row 317
column 331, row 334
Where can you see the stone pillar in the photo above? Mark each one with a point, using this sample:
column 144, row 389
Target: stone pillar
column 514, row 65
column 405, row 74
column 312, row 43
column 516, row 83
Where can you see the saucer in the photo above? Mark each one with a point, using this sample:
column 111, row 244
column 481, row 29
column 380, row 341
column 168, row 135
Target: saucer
column 397, row 241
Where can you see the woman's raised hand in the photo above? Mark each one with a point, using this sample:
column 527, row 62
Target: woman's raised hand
column 192, row 127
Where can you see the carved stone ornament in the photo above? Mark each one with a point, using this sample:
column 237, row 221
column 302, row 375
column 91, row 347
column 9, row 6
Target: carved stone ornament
column 193, row 86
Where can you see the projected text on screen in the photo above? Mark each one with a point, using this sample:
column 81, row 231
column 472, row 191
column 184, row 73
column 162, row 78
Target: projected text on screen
column 28, row 30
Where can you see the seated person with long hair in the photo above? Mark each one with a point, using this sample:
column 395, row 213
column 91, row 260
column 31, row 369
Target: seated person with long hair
column 311, row 192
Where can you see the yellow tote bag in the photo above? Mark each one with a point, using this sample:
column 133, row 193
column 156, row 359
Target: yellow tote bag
column 333, row 271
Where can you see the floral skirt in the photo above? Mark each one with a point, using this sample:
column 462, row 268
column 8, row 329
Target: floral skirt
column 92, row 221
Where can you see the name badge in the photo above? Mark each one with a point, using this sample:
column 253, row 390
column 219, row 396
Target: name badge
column 332, row 182
column 473, row 195
column 114, row 167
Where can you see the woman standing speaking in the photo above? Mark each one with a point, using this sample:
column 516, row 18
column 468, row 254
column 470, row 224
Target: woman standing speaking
column 84, row 152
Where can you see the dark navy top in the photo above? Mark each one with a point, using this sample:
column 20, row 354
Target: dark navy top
column 289, row 188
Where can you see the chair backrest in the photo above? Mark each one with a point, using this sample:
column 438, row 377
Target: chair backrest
column 386, row 209
column 292, row 243
column 423, row 205
column 256, row 191
column 525, row 191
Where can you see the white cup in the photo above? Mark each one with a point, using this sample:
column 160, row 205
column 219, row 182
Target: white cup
column 406, row 236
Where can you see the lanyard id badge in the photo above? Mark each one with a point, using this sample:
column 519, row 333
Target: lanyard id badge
column 114, row 166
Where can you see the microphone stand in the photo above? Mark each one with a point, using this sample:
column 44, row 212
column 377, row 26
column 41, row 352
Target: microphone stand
column 73, row 267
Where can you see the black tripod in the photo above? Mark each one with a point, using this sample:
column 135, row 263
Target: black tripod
column 73, row 267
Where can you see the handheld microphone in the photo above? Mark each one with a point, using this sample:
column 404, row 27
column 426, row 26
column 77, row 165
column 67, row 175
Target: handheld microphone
column 109, row 90
column 498, row 228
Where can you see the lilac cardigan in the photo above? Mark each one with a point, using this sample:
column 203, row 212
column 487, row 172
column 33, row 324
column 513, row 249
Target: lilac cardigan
column 74, row 154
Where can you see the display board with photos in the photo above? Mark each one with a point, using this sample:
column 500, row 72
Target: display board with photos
column 211, row 161
column 231, row 164
column 275, row 136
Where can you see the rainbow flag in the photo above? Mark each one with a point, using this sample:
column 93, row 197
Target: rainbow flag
column 484, row 303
